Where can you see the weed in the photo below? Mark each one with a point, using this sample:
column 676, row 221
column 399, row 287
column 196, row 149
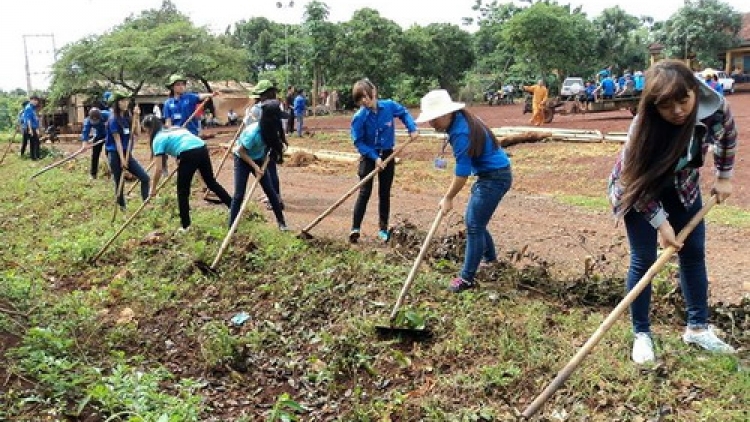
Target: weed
column 134, row 395
column 285, row 409
column 217, row 346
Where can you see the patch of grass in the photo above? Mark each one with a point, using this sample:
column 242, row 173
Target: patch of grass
column 729, row 215
column 595, row 203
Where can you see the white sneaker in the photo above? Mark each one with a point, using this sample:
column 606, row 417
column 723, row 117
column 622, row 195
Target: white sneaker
column 643, row 348
column 183, row 230
column 706, row 339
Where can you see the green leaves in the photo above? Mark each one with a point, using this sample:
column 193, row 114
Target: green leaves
column 702, row 28
column 145, row 50
column 544, row 33
column 410, row 319
column 284, row 409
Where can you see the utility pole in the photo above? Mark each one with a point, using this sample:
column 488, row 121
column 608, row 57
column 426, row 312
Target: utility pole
column 26, row 53
column 28, row 71
column 289, row 5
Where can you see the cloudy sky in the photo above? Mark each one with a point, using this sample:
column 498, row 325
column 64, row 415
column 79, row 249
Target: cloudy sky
column 48, row 24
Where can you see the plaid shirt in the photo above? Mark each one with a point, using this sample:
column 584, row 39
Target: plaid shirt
column 721, row 132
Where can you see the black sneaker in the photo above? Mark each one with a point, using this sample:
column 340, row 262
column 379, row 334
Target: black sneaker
column 354, row 236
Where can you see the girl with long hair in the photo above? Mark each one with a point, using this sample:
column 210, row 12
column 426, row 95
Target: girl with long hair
column 118, row 143
column 655, row 188
column 263, row 138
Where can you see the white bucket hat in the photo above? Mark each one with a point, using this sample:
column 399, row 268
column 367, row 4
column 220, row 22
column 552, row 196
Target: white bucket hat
column 437, row 103
column 708, row 100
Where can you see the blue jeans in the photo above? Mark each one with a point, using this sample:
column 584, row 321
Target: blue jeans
column 242, row 171
column 692, row 257
column 300, row 118
column 273, row 173
column 135, row 168
column 486, row 194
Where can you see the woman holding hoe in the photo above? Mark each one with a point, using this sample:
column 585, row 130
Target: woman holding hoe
column 477, row 152
column 654, row 187
column 182, row 104
column 374, row 134
column 262, row 139
column 119, row 149
column 191, row 154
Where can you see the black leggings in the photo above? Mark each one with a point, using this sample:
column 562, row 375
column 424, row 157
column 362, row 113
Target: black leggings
column 191, row 161
column 96, row 152
column 385, row 181
column 34, row 144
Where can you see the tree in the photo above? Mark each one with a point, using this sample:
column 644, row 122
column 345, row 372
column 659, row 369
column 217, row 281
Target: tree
column 369, row 46
column 703, row 29
column 265, row 44
column 145, row 49
column 552, row 38
column 438, row 51
column 321, row 36
column 620, row 41
column 493, row 55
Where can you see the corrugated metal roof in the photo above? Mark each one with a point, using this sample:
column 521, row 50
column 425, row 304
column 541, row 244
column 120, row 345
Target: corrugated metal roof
column 228, row 87
column 225, row 87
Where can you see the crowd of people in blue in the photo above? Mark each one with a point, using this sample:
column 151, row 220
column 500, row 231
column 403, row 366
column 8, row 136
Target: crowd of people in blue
column 609, row 85
column 654, row 185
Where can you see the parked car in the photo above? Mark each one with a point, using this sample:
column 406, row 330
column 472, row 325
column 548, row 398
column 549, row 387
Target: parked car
column 726, row 81
column 571, row 87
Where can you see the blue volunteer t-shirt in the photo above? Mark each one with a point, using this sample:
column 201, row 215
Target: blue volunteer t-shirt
column 608, row 86
column 178, row 110
column 29, row 116
column 252, row 142
column 373, row 131
column 121, row 126
column 492, row 158
column 99, row 129
column 174, row 142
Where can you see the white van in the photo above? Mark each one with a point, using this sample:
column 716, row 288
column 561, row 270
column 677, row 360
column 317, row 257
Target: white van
column 571, row 87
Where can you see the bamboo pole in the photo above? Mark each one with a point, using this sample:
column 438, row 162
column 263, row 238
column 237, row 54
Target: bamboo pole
column 236, row 222
column 226, row 154
column 131, row 218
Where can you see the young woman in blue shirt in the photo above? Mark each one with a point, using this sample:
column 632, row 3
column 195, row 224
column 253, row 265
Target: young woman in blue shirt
column 374, row 134
column 94, row 130
column 478, row 153
column 118, row 143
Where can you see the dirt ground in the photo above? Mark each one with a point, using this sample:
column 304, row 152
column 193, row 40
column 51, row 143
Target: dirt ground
column 529, row 218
